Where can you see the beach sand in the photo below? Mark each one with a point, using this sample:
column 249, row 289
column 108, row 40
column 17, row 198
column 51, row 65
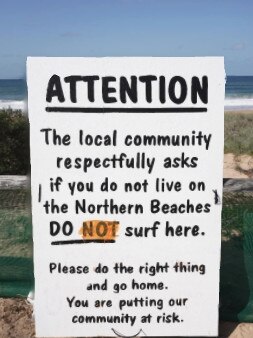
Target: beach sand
column 238, row 166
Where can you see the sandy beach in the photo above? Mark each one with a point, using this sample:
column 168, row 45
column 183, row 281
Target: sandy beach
column 238, row 166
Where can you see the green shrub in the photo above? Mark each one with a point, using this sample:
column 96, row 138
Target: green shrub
column 238, row 133
column 14, row 143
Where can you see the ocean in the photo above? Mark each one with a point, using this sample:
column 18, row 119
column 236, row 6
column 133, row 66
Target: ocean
column 239, row 93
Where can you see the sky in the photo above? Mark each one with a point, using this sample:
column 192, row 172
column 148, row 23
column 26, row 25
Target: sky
column 126, row 28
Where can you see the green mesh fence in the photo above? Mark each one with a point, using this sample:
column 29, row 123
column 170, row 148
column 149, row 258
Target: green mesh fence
column 16, row 263
column 236, row 274
column 236, row 271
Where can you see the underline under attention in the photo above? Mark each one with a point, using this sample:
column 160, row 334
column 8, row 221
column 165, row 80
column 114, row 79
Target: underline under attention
column 125, row 110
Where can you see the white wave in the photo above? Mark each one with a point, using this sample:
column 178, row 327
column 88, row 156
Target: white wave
column 230, row 104
column 5, row 104
column 238, row 103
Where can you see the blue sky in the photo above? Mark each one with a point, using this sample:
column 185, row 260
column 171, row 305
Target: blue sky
column 126, row 28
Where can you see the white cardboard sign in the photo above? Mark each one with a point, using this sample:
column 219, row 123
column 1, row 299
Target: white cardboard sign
column 126, row 175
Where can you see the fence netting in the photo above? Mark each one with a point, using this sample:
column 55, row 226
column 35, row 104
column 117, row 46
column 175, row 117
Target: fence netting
column 16, row 263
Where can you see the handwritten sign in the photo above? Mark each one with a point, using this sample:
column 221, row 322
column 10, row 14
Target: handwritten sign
column 126, row 176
